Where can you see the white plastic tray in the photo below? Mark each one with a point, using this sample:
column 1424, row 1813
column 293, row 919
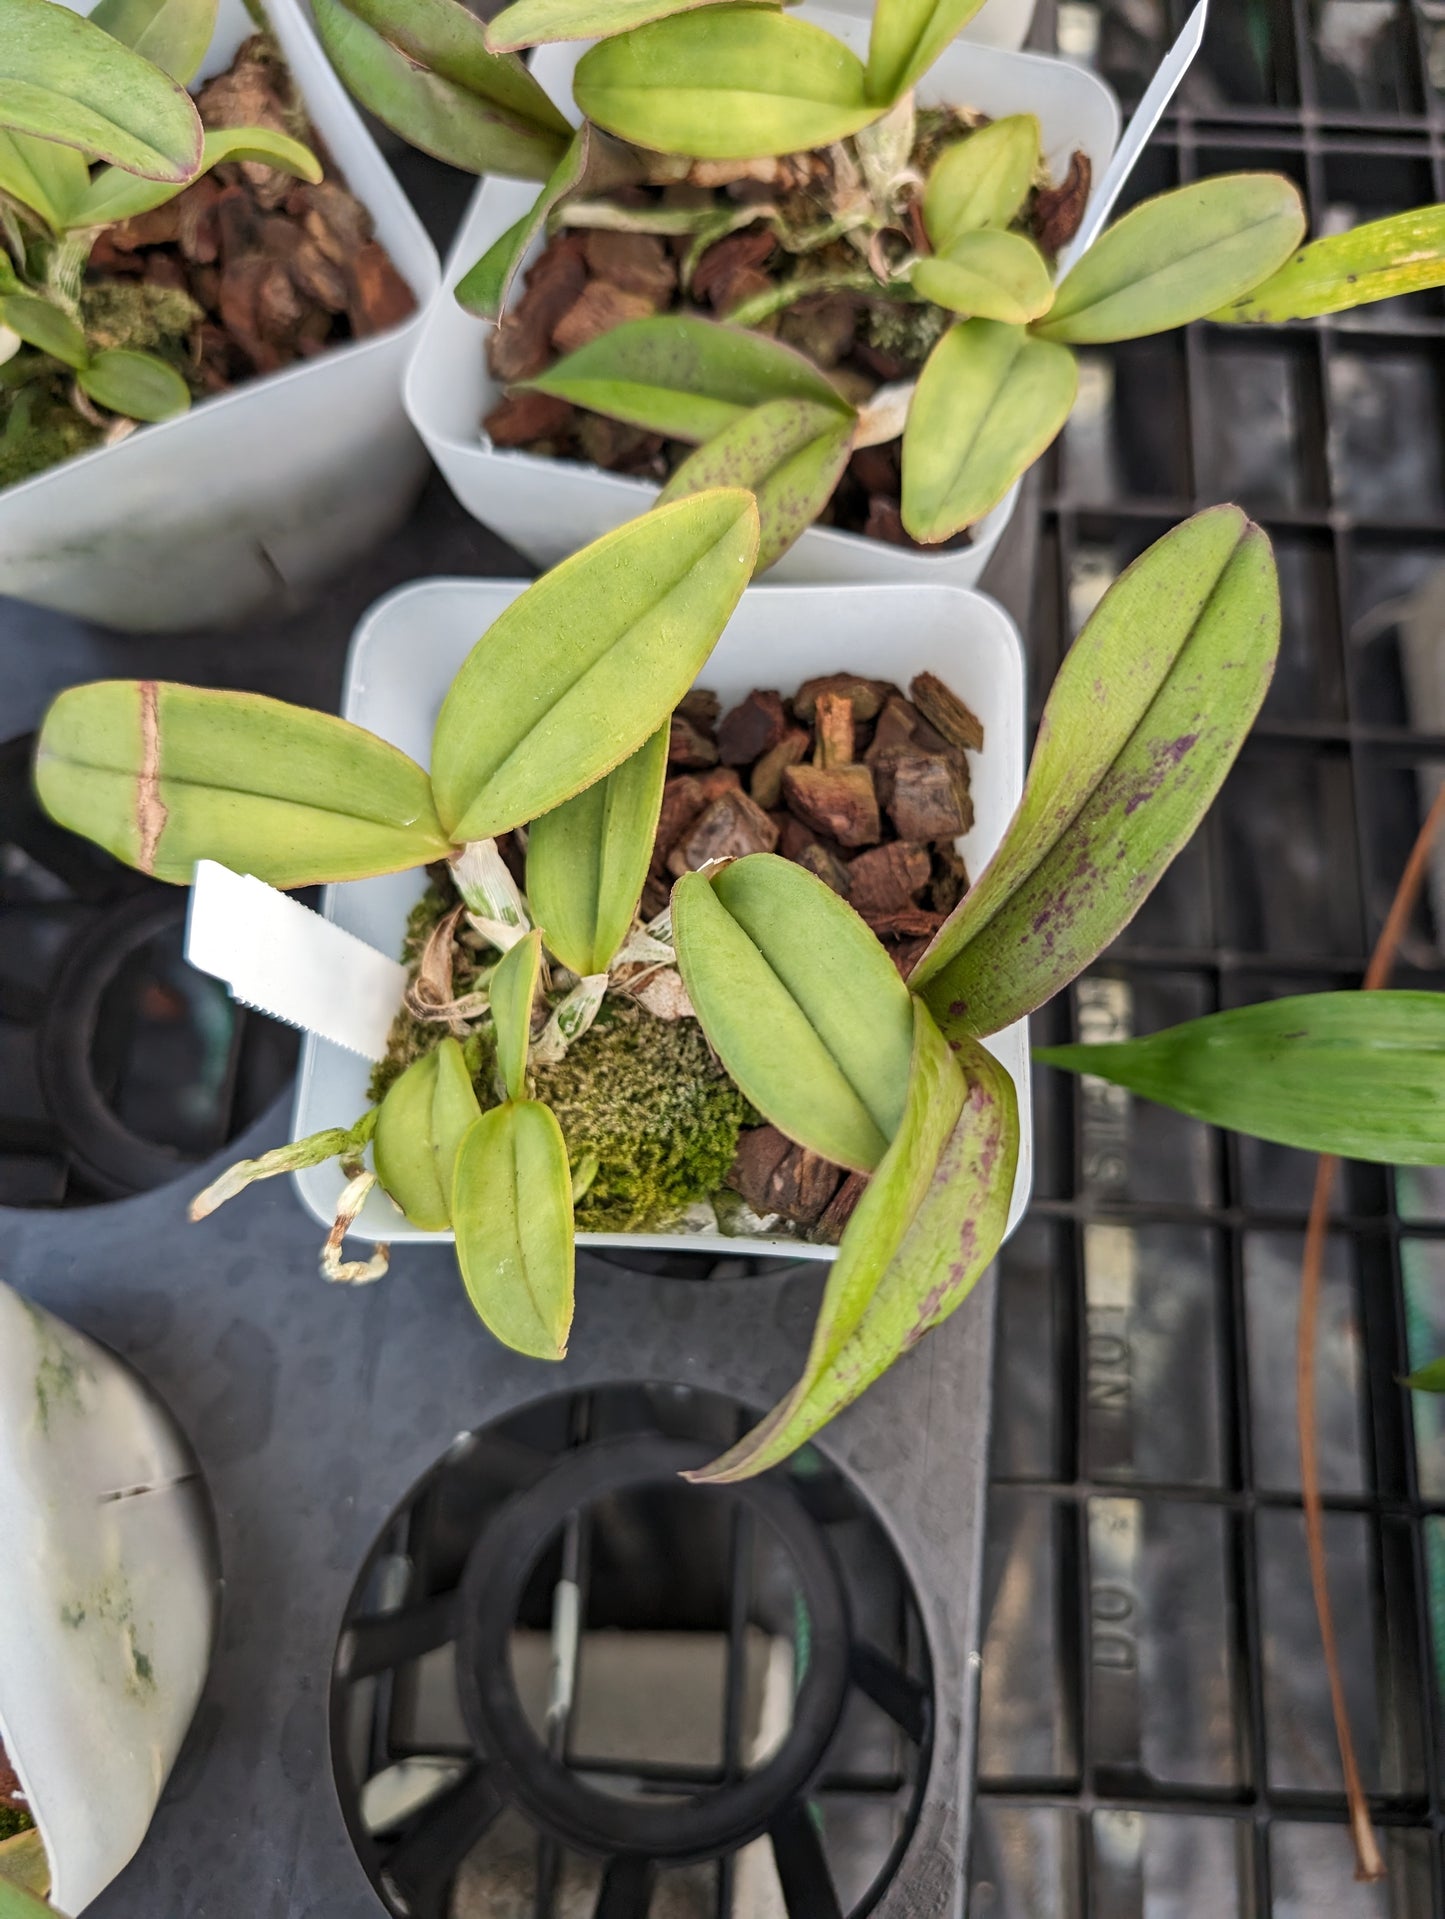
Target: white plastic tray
column 549, row 508
column 405, row 654
column 261, row 491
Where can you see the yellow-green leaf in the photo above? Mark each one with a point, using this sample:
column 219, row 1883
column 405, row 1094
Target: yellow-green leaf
column 426, row 71
column 512, row 1214
column 1402, row 254
column 531, row 23
column 61, row 78
column 579, row 671
column 799, row 1001
column 513, row 991
column 588, row 858
column 1177, row 257
column 25, row 1864
column 41, row 324
column 982, row 180
column 115, row 195
column 990, row 400
column 1429, row 1378
column 44, row 176
column 789, row 453
column 1147, row 713
column 929, row 1222
column 175, row 34
column 907, row 37
column 419, row 1129
column 684, row 376
column 989, row 274
column 1361, row 1075
column 725, row 83
column 164, row 775
column 137, row 385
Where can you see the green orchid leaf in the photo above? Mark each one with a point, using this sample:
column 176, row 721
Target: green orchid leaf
column 25, row 1865
column 164, row 775
column 990, row 400
column 725, row 83
column 683, row 376
column 987, row 274
column 41, row 324
column 1402, row 254
column 925, row 1230
column 512, row 1214
column 426, row 71
column 332, row 1142
column 115, row 195
column 513, row 992
column 1147, row 713
column 799, row 1001
column 44, row 176
column 419, row 1130
column 531, row 23
column 137, row 385
column 983, row 180
column 592, row 164
column 587, row 860
column 175, row 34
column 1429, row 1378
column 1361, row 1075
column 790, row 454
column 589, row 662
column 64, row 79
column 907, row 37
column 1178, row 257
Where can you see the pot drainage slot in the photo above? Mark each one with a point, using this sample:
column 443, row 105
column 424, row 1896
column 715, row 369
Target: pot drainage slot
column 120, row 1066
column 572, row 1686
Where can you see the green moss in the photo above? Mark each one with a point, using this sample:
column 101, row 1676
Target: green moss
column 146, row 319
column 648, row 1098
column 13, row 1820
column 907, row 330
column 38, row 426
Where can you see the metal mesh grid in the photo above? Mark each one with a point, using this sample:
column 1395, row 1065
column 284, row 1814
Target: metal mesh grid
column 1155, row 1730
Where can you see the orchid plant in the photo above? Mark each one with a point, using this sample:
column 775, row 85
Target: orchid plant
column 929, row 220
column 96, row 126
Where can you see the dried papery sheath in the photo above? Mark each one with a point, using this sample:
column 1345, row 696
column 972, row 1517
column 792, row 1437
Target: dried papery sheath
column 311, row 1151
column 571, row 1019
column 495, row 907
column 884, row 416
column 355, row 1272
column 643, row 948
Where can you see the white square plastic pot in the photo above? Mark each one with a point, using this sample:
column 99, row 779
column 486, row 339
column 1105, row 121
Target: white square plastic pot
column 407, row 651
column 257, row 495
column 549, row 508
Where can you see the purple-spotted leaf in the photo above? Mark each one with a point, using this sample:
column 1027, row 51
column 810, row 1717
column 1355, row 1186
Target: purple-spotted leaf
column 512, row 1215
column 989, row 401
column 725, row 83
column 163, row 775
column 929, row 1222
column 1146, row 716
column 988, row 274
column 1378, row 261
column 532, row 23
column 1177, row 257
column 907, row 37
column 790, row 454
column 513, row 992
column 684, row 376
column 592, row 164
column 1361, row 1075
column 425, row 70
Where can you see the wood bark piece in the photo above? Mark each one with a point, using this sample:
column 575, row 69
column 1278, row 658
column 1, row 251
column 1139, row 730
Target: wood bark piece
column 702, row 706
column 947, row 713
column 636, row 262
column 927, row 801
column 838, row 800
column 729, row 829
column 840, row 1208
column 833, row 718
column 597, row 310
column 888, row 877
column 950, row 878
column 686, row 746
column 729, row 264
column 867, row 695
column 718, row 780
column 521, row 419
column 751, row 728
column 766, row 780
column 522, row 345
column 828, row 867
column 1058, row 212
column 776, row 1176
column 682, row 802
column 909, row 922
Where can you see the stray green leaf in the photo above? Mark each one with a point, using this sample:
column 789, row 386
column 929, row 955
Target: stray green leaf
column 1402, row 254
column 1429, row 1378
column 512, row 1215
column 1360, row 1075
column 988, row 274
column 513, row 992
column 116, row 195
column 983, row 180
column 419, row 1129
column 41, row 324
column 531, row 23
column 137, row 385
column 175, row 34
column 907, row 37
